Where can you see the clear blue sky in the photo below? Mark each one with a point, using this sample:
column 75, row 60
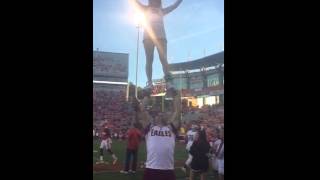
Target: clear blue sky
column 194, row 26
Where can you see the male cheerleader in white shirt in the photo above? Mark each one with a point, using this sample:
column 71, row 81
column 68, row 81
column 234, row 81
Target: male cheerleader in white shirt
column 160, row 135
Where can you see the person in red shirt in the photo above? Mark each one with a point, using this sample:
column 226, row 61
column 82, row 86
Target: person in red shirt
column 134, row 137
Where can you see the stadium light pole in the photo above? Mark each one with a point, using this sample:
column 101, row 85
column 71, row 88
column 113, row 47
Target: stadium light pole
column 139, row 20
column 180, row 95
column 137, row 60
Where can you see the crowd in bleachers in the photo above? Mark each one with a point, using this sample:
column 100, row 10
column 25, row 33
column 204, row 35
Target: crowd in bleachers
column 211, row 113
column 112, row 109
column 158, row 89
column 209, row 116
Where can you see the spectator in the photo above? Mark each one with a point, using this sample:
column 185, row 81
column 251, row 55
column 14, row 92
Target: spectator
column 200, row 155
column 134, row 137
column 220, row 156
column 215, row 143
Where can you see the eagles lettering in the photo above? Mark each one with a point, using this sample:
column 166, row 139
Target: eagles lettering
column 160, row 133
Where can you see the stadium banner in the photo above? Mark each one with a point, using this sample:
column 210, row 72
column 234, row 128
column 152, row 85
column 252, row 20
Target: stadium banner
column 159, row 87
column 180, row 83
column 216, row 93
column 210, row 91
column 213, row 80
column 107, row 64
column 109, row 87
column 196, row 82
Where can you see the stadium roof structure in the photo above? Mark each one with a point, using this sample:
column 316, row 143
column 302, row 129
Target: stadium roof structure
column 208, row 61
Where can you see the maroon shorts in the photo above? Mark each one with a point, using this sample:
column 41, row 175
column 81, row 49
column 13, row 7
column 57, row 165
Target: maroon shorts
column 156, row 174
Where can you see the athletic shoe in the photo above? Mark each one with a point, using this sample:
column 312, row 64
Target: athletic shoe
column 100, row 162
column 130, row 171
column 149, row 86
column 184, row 170
column 114, row 161
column 124, row 172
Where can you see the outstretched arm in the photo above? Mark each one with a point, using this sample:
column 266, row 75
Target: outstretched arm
column 168, row 9
column 138, row 4
column 143, row 116
column 175, row 118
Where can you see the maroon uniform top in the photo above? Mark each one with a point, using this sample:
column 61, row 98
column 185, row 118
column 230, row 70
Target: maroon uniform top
column 105, row 134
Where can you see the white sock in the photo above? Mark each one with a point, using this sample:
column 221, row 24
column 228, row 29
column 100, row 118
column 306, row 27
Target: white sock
column 101, row 158
column 114, row 156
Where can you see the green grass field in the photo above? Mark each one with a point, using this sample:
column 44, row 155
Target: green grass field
column 118, row 147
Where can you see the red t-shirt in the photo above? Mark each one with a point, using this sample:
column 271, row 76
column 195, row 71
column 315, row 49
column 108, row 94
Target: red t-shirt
column 134, row 136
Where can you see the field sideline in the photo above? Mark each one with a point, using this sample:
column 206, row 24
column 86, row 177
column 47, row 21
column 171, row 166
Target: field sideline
column 110, row 172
